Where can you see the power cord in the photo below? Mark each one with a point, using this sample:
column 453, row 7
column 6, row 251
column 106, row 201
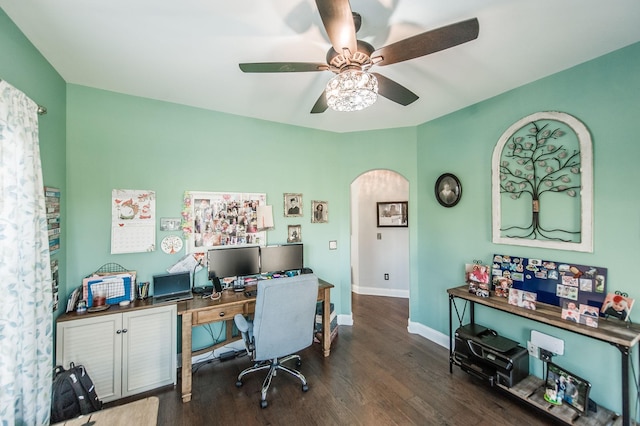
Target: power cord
column 215, row 340
column 215, row 295
column 193, row 275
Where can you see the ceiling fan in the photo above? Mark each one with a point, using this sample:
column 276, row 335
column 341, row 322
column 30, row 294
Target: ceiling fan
column 351, row 58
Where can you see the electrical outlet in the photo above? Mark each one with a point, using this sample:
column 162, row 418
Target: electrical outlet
column 533, row 350
column 386, row 277
column 550, row 343
column 545, row 355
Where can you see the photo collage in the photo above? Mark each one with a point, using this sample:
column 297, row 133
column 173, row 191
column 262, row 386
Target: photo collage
column 579, row 290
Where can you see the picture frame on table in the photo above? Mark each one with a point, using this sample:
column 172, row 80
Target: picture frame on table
column 448, row 190
column 392, row 214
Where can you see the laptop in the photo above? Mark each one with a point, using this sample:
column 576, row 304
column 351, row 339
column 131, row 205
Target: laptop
column 174, row 287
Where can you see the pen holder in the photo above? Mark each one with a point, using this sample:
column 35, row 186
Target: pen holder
column 143, row 290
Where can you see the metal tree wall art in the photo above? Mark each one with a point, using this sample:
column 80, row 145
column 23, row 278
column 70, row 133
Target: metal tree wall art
column 542, row 189
column 531, row 165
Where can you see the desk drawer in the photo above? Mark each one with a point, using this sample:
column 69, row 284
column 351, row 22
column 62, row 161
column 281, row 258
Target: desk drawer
column 222, row 313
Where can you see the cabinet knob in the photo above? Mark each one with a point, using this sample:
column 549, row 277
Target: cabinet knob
column 118, row 331
column 124, row 330
column 221, row 314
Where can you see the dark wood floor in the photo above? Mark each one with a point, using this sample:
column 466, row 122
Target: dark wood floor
column 377, row 374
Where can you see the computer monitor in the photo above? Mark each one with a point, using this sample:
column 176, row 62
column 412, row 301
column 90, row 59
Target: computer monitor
column 280, row 258
column 234, row 261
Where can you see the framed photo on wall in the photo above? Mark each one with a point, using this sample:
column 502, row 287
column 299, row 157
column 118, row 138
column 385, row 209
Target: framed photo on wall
column 448, row 190
column 170, row 223
column 292, row 205
column 294, row 234
column 319, row 212
column 392, row 214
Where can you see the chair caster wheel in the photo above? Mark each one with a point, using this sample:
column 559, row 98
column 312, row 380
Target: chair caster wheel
column 263, row 404
column 238, row 384
column 305, row 388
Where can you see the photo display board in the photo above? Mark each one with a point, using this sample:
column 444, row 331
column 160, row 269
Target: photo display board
column 554, row 282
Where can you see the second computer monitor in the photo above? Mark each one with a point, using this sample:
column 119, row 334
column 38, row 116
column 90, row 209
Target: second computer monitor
column 281, row 258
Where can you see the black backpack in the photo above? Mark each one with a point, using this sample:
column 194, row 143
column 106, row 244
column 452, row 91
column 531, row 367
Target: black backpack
column 73, row 393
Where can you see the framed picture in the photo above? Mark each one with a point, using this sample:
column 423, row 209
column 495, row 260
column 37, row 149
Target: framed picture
column 448, row 190
column 320, row 212
column 170, row 223
column 294, row 234
column 392, row 214
column 292, row 205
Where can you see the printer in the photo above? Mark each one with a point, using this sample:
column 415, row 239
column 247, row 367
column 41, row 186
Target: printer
column 482, row 353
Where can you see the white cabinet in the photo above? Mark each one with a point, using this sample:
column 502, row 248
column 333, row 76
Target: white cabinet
column 124, row 352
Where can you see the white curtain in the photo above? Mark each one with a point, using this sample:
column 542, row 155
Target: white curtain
column 26, row 322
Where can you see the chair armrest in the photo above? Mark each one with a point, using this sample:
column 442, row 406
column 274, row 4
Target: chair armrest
column 241, row 323
column 246, row 329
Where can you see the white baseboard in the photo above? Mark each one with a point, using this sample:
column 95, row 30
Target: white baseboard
column 412, row 327
column 345, row 319
column 376, row 291
column 428, row 333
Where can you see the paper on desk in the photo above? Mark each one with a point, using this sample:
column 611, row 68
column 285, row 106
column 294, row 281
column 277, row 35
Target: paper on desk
column 186, row 264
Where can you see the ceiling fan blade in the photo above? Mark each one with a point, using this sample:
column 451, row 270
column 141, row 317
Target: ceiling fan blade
column 320, row 105
column 428, row 42
column 338, row 22
column 283, row 67
column 394, row 91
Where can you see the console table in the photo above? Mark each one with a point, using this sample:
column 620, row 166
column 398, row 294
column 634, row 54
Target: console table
column 616, row 333
column 199, row 311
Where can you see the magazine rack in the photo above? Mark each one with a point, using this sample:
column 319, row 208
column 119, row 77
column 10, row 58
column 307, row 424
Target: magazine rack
column 109, row 268
column 619, row 334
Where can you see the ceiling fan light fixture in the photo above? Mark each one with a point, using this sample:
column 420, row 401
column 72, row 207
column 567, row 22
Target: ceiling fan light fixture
column 352, row 90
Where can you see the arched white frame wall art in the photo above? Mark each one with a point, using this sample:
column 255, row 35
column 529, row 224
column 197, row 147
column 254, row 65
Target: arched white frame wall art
column 542, row 183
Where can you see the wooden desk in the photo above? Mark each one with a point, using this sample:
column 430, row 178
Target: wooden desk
column 199, row 311
column 617, row 333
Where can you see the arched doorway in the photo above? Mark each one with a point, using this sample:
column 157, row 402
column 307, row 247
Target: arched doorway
column 379, row 256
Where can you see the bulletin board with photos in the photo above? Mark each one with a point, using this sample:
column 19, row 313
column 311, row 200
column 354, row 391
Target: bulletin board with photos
column 555, row 283
column 213, row 219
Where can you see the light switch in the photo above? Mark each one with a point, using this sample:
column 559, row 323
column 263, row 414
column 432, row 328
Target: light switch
column 379, row 236
column 333, row 245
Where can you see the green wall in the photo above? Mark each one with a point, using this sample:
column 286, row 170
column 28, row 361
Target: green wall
column 125, row 142
column 23, row 67
column 603, row 94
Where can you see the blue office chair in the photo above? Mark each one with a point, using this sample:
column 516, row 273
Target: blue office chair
column 283, row 324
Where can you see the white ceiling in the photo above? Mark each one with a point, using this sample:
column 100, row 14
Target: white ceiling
column 187, row 51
